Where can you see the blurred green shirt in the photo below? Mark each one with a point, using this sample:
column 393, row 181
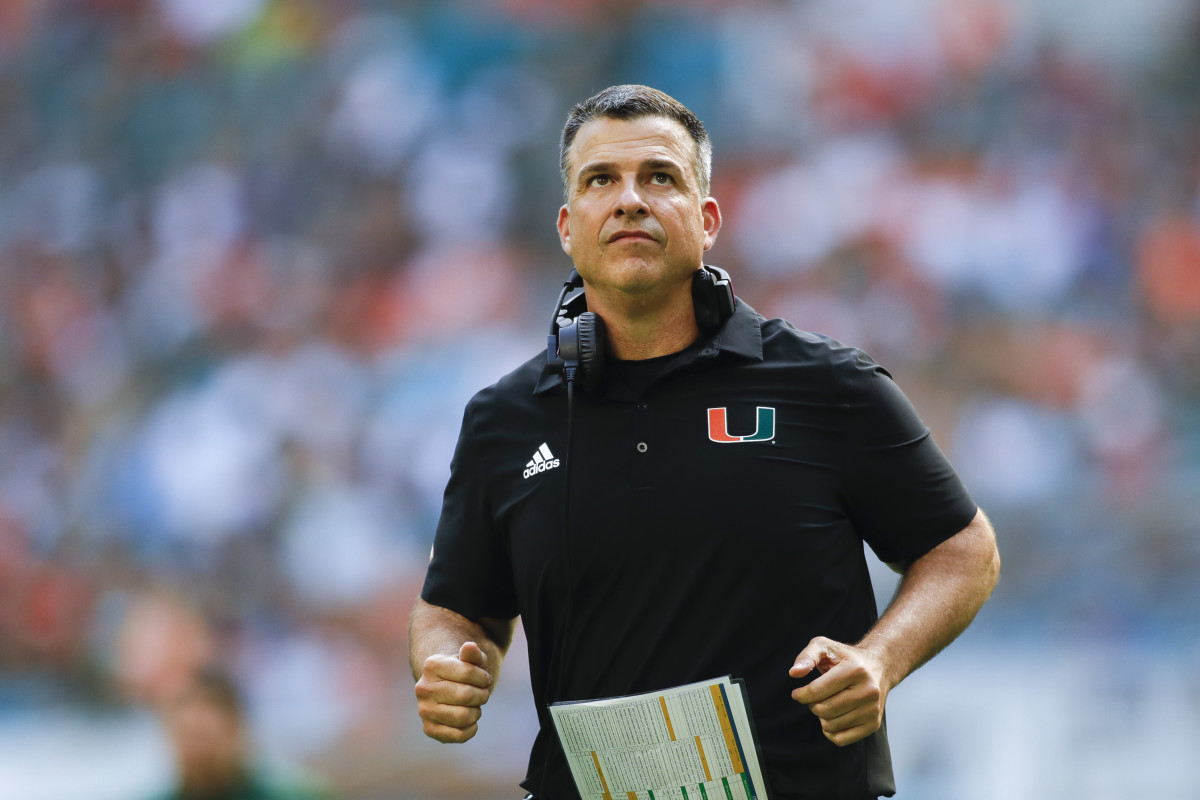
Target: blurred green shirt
column 255, row 787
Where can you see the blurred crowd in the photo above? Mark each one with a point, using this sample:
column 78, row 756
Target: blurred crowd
column 255, row 255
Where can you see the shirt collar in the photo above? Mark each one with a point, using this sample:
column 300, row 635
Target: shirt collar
column 740, row 335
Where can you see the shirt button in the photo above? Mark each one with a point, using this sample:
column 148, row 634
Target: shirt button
column 642, row 447
column 642, row 406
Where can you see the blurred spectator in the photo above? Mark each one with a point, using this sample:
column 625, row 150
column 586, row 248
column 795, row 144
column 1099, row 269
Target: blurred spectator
column 205, row 723
column 161, row 644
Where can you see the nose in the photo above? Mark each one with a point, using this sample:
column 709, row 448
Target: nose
column 630, row 202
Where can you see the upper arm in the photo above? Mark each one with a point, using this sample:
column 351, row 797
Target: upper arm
column 900, row 492
column 469, row 569
column 972, row 548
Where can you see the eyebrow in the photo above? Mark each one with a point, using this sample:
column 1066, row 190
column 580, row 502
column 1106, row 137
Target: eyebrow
column 662, row 164
column 589, row 170
column 599, row 167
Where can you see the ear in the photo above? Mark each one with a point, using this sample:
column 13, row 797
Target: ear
column 712, row 221
column 564, row 229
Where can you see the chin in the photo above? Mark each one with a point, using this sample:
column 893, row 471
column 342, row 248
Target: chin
column 640, row 272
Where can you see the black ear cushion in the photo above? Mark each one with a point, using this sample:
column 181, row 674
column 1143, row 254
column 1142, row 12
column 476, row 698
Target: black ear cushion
column 712, row 297
column 592, row 343
column 704, row 301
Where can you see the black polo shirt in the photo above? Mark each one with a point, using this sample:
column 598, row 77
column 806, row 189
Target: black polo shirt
column 719, row 498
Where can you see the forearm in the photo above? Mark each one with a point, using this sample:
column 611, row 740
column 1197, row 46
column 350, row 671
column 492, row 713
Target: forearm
column 939, row 595
column 433, row 630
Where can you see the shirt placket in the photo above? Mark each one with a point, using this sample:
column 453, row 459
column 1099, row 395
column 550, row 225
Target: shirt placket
column 644, row 445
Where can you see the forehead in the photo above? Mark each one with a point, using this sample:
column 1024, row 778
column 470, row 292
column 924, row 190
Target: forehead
column 630, row 140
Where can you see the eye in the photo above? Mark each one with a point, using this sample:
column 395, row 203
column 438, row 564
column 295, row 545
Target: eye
column 661, row 179
column 599, row 180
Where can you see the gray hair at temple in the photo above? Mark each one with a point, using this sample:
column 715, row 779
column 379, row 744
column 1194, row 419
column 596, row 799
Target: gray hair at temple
column 631, row 101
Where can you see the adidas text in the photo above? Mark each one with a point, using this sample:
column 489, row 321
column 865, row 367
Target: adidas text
column 542, row 467
column 542, row 460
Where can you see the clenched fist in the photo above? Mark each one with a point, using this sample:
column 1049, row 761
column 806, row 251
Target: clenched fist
column 850, row 695
column 451, row 692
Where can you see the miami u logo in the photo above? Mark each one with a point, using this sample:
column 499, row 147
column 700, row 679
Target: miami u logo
column 764, row 429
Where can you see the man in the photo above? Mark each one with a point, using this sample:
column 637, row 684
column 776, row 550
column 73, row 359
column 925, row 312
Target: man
column 722, row 480
column 209, row 738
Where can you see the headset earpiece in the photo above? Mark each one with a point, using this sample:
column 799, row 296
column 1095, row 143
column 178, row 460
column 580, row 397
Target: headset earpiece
column 712, row 297
column 581, row 346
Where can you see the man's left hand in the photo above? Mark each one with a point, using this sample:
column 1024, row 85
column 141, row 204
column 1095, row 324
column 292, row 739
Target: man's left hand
column 849, row 695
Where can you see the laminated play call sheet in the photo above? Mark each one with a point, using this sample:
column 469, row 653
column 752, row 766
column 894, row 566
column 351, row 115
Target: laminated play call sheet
column 692, row 742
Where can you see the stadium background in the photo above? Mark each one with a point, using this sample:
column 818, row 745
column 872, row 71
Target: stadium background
column 256, row 254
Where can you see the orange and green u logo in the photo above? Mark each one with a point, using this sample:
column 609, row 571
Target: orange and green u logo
column 764, row 428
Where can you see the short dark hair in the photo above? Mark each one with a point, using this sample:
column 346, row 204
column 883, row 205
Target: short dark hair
column 632, row 101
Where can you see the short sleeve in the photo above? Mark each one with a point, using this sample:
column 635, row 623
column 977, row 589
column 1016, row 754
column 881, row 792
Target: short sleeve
column 470, row 570
column 901, row 492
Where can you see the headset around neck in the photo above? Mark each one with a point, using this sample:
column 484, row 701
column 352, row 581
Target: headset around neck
column 576, row 347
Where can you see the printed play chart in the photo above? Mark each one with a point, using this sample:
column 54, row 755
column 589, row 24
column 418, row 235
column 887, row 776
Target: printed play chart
column 692, row 742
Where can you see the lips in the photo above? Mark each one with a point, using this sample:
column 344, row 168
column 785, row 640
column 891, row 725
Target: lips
column 633, row 235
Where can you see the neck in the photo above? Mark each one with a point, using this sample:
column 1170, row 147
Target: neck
column 638, row 331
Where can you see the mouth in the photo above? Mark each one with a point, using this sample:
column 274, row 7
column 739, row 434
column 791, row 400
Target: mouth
column 630, row 236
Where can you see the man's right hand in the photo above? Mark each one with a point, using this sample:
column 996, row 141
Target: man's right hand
column 451, row 692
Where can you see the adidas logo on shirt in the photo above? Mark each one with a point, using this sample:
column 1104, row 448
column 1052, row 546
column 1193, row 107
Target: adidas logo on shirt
column 542, row 460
